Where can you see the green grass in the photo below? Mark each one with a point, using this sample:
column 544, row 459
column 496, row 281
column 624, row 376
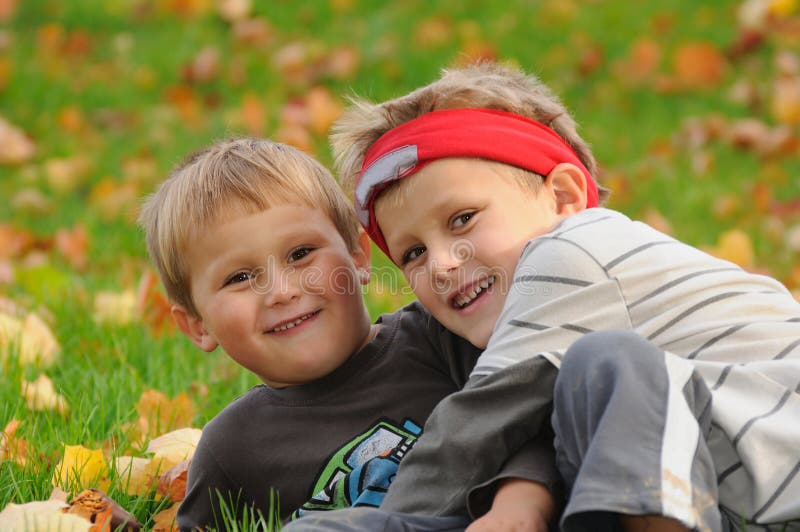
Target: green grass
column 118, row 83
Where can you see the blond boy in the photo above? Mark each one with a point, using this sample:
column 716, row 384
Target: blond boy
column 676, row 403
column 261, row 255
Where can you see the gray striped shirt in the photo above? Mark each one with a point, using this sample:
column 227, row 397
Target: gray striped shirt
column 598, row 270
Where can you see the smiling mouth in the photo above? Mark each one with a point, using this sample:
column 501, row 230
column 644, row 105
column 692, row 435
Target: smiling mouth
column 464, row 300
column 293, row 323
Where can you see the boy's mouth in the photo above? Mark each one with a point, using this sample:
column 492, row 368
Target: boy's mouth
column 285, row 326
column 465, row 299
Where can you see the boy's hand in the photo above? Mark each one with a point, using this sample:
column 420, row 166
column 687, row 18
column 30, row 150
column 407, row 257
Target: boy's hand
column 518, row 506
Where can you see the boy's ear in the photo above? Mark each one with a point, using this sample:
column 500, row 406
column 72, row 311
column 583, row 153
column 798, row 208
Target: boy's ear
column 361, row 257
column 193, row 328
column 568, row 184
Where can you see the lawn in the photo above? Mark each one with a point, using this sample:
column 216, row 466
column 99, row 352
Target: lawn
column 692, row 109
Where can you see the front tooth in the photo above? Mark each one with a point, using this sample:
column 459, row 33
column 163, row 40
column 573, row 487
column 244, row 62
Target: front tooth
column 472, row 294
column 485, row 284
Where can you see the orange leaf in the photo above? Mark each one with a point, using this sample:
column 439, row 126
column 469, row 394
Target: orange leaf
column 253, row 114
column 434, row 32
column 786, row 100
column 323, row 109
column 103, row 511
column 7, row 9
column 253, row 32
column 164, row 521
column 153, row 307
column 162, row 414
column 735, row 246
column 699, row 64
column 234, row 10
column 172, row 483
column 73, row 244
column 204, row 67
column 342, row 62
column 12, row 448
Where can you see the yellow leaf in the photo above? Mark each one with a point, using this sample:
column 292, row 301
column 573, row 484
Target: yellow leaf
column 80, row 468
column 38, row 345
column 118, row 308
column 40, row 395
column 172, row 448
column 735, row 246
column 133, row 475
column 41, row 516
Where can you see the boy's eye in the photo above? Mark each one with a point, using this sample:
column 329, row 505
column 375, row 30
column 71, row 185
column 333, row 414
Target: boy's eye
column 238, row 277
column 461, row 220
column 412, row 254
column 299, row 253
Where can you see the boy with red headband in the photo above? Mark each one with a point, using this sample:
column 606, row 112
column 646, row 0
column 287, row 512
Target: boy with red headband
column 670, row 377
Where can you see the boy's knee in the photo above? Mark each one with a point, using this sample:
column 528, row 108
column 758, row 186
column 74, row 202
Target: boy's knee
column 608, row 354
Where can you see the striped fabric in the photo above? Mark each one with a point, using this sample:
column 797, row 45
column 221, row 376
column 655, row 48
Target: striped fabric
column 598, row 270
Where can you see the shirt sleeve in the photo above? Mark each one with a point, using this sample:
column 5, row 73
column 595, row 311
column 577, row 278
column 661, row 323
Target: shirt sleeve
column 205, row 483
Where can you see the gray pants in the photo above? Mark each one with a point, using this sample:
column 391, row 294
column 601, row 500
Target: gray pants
column 613, row 403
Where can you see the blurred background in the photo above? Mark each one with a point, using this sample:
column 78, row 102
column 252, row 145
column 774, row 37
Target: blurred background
column 692, row 109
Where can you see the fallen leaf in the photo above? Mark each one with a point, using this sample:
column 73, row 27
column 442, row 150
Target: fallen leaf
column 341, row 63
column 41, row 516
column 133, row 475
column 38, row 345
column 793, row 238
column 433, row 32
column 40, row 395
column 785, row 104
column 164, row 521
column 253, row 32
column 66, row 174
column 15, row 146
column 100, row 509
column 73, row 244
column 7, row 9
column 735, row 246
column 172, row 448
column 204, row 67
column 116, row 308
column 152, row 305
column 172, row 483
column 699, row 65
column 253, row 115
column 234, row 10
column 13, row 449
column 80, row 467
column 14, row 242
column 656, row 220
column 158, row 414
column 323, row 109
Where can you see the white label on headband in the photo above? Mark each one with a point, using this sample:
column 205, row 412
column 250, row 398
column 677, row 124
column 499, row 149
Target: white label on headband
column 387, row 167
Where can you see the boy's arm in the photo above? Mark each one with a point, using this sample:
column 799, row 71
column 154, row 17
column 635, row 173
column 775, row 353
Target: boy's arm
column 199, row 508
column 466, row 441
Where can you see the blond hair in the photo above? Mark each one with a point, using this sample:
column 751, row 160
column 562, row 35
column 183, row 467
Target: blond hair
column 479, row 85
column 233, row 177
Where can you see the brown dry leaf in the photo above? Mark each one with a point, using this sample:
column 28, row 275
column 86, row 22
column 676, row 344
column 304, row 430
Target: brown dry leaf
column 785, row 104
column 40, row 395
column 73, row 244
column 14, row 242
column 204, row 67
column 641, row 63
column 186, row 102
column 699, row 65
column 434, row 32
column 104, row 512
column 172, row 483
column 591, row 58
column 234, row 10
column 13, row 449
column 253, row 115
column 41, row 516
column 748, row 133
column 133, row 475
column 152, row 305
column 7, row 9
column 159, row 414
column 15, row 146
column 253, row 32
column 323, row 109
column 341, row 63
column 171, row 449
column 164, row 521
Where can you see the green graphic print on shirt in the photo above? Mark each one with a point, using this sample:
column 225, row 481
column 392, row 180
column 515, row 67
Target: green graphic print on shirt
column 360, row 472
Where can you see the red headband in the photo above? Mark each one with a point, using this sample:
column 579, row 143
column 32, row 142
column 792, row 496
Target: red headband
column 480, row 133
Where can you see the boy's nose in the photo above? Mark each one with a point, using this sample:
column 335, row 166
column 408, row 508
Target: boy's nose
column 279, row 288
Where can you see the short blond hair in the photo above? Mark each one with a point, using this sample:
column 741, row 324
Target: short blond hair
column 233, row 177
column 485, row 84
